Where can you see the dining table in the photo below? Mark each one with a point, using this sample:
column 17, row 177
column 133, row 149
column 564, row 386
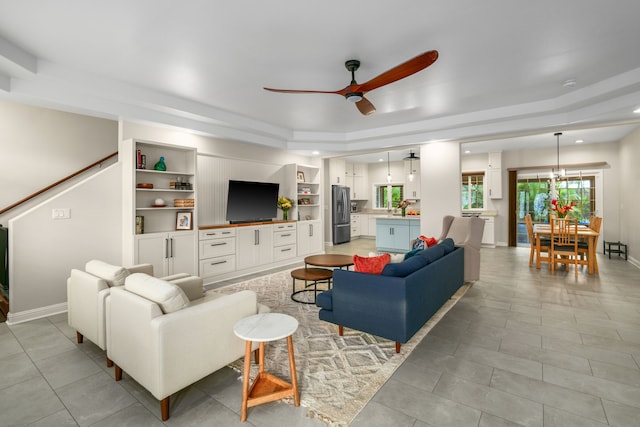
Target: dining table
column 591, row 236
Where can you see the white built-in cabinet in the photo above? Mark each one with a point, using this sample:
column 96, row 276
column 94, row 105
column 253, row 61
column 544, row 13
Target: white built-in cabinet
column 158, row 240
column 494, row 173
column 356, row 178
column 308, row 201
column 254, row 246
column 356, row 224
column 309, row 237
column 412, row 186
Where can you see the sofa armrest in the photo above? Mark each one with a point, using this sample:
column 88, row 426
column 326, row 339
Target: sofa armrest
column 192, row 286
column 141, row 268
column 83, row 304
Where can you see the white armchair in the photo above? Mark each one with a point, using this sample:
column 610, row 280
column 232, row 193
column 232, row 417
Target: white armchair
column 88, row 290
column 466, row 232
column 166, row 342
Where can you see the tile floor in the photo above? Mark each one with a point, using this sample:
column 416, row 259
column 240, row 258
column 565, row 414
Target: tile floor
column 521, row 348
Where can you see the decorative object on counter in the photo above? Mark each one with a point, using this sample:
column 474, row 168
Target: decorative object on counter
column 300, row 176
column 160, row 165
column 145, row 185
column 561, row 209
column 139, row 224
column 184, row 220
column 403, row 204
column 159, row 203
column 285, row 204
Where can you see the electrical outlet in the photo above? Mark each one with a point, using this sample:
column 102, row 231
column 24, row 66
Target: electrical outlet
column 61, row 213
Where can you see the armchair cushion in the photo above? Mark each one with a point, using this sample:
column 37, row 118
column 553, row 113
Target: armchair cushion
column 168, row 296
column 114, row 275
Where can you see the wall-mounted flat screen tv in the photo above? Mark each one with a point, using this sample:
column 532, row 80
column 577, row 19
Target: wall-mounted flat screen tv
column 250, row 201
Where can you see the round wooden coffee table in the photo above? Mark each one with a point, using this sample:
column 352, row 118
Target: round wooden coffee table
column 329, row 260
column 313, row 275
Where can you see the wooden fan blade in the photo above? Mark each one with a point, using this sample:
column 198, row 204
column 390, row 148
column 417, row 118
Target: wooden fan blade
column 365, row 106
column 300, row 91
column 401, row 71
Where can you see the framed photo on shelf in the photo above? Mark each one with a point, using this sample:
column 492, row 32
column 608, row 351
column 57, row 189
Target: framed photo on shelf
column 304, row 201
column 184, row 220
column 300, row 176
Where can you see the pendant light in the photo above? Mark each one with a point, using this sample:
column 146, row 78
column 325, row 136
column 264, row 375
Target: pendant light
column 557, row 173
column 411, row 158
column 388, row 168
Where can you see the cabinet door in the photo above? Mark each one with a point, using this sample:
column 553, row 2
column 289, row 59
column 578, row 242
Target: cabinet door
column 182, row 254
column 360, row 188
column 495, row 183
column 309, row 238
column 255, row 246
column 153, row 249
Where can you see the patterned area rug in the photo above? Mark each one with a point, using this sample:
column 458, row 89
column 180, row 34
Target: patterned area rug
column 337, row 375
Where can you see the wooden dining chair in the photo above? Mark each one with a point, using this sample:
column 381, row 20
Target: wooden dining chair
column 564, row 243
column 544, row 243
column 595, row 223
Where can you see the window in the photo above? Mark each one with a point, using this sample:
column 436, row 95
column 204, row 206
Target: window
column 473, row 190
column 382, row 195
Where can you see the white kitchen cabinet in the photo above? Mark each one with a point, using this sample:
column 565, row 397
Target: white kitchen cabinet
column 337, row 171
column 284, row 241
column 217, row 252
column 169, row 253
column 494, row 178
column 357, row 178
column 488, row 236
column 355, row 225
column 254, row 246
column 309, row 237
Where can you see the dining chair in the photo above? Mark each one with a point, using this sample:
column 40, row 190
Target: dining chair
column 564, row 243
column 595, row 223
column 544, row 243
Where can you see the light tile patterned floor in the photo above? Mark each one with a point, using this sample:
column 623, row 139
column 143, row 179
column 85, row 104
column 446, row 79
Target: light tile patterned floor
column 522, row 348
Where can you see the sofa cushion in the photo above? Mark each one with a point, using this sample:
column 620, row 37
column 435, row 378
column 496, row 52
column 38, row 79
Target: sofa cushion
column 448, row 245
column 167, row 295
column 412, row 252
column 404, row 268
column 371, row 265
column 394, row 257
column 433, row 253
column 114, row 275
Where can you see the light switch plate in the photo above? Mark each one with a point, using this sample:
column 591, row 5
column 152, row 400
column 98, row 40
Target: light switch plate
column 61, row 213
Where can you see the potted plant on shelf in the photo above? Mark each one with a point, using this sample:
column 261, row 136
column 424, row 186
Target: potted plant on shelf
column 285, row 204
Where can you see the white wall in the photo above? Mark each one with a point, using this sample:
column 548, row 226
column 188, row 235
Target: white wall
column 43, row 250
column 440, row 182
column 628, row 204
column 41, row 146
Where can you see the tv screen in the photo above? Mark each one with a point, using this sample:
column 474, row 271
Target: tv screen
column 249, row 201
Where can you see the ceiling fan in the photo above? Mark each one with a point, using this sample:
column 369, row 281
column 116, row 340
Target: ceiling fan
column 354, row 91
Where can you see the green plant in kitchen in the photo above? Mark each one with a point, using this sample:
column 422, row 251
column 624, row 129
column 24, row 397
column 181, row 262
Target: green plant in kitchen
column 403, row 204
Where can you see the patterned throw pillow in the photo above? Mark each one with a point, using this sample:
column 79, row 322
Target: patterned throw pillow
column 371, row 265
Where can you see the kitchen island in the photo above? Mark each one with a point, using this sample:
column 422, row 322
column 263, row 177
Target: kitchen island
column 394, row 233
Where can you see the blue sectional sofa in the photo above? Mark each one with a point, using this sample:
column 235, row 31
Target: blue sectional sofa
column 398, row 302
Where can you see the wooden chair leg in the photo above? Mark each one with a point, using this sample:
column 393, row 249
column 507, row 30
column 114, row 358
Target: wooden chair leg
column 118, row 372
column 164, row 408
column 397, row 347
column 340, row 330
column 109, row 362
column 79, row 337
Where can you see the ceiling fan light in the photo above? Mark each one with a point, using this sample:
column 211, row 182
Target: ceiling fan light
column 354, row 96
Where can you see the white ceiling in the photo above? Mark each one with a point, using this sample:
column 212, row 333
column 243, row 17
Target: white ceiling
column 198, row 64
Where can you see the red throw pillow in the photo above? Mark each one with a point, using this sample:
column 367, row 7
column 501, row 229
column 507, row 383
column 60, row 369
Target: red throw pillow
column 371, row 265
column 429, row 241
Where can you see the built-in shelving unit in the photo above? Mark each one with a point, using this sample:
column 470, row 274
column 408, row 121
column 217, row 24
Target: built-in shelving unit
column 159, row 233
column 308, row 192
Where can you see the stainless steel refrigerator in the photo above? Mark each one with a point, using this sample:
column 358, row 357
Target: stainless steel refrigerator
column 340, row 214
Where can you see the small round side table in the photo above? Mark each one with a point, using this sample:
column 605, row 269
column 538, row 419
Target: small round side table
column 266, row 387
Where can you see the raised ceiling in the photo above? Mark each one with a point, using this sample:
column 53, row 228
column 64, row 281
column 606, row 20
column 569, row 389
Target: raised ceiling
column 202, row 65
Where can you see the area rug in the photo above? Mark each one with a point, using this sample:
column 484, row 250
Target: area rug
column 337, row 375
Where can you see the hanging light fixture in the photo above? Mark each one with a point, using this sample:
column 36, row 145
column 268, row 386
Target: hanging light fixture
column 411, row 158
column 388, row 168
column 556, row 173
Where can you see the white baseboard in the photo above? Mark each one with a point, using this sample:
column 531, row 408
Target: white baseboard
column 37, row 313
